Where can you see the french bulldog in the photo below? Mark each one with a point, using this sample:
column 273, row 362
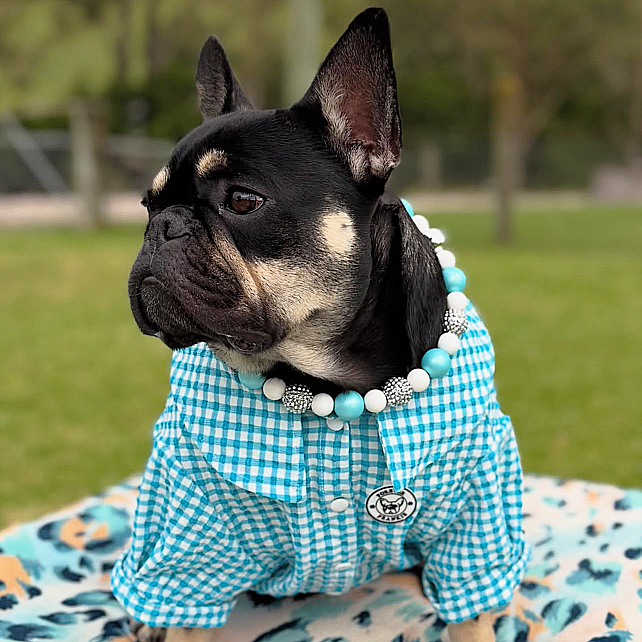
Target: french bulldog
column 270, row 238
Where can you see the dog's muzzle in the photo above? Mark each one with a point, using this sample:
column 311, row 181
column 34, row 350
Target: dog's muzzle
column 183, row 291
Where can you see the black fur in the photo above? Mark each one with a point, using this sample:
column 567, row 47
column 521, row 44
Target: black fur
column 218, row 90
column 393, row 293
column 357, row 80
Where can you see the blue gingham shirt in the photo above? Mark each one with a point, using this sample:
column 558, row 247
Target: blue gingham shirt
column 237, row 495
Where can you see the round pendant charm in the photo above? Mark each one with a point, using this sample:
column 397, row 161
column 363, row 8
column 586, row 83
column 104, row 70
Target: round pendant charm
column 297, row 397
column 455, row 321
column 387, row 505
column 398, row 391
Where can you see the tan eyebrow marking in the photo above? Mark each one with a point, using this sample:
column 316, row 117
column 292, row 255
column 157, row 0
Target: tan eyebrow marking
column 160, row 180
column 210, row 161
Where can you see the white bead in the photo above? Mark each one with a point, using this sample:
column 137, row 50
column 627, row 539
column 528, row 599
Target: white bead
column 322, row 404
column 438, row 249
column 457, row 301
column 446, row 258
column 436, row 236
column 375, row 400
column 334, row 423
column 274, row 388
column 419, row 379
column 421, row 222
column 449, row 342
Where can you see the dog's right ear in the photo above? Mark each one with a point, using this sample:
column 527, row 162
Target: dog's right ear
column 354, row 99
column 218, row 90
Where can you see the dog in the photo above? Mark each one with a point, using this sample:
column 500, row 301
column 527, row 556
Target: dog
column 273, row 248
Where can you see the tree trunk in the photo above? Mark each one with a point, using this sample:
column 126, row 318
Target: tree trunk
column 88, row 120
column 508, row 150
column 122, row 40
column 303, row 47
column 634, row 142
column 154, row 47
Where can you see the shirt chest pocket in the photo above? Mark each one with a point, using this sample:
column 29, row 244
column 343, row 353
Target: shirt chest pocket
column 393, row 522
column 442, row 487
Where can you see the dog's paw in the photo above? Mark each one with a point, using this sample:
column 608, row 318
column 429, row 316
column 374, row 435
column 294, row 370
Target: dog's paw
column 143, row 633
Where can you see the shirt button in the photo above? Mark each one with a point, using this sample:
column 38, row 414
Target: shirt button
column 343, row 566
column 334, row 423
column 339, row 505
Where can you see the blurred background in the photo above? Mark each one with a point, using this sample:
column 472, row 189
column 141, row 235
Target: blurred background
column 522, row 126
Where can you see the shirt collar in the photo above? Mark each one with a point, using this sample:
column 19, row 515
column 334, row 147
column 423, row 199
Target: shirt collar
column 255, row 444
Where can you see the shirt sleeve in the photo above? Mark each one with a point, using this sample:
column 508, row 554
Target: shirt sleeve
column 477, row 563
column 184, row 567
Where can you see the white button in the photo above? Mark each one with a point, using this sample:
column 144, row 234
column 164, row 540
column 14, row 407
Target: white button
column 334, row 423
column 339, row 505
column 343, row 566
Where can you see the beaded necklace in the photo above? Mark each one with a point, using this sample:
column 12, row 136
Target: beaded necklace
column 397, row 391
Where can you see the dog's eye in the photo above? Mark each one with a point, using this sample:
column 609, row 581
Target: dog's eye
column 244, row 202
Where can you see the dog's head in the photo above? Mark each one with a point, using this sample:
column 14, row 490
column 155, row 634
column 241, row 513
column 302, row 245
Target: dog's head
column 268, row 235
column 394, row 505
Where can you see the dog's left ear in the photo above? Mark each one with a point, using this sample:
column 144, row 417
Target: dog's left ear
column 406, row 261
column 218, row 90
column 354, row 95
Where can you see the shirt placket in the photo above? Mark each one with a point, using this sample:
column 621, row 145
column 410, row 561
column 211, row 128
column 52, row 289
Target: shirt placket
column 340, row 505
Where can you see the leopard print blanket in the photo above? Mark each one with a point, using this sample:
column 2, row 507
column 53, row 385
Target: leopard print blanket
column 584, row 582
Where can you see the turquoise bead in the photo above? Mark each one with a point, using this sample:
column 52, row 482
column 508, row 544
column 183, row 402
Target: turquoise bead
column 408, row 207
column 436, row 363
column 349, row 405
column 454, row 279
column 252, row 380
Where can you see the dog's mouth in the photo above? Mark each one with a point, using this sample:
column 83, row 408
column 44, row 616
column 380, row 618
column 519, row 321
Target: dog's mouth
column 249, row 343
column 238, row 343
column 158, row 313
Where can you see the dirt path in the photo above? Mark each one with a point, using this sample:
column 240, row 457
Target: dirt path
column 26, row 210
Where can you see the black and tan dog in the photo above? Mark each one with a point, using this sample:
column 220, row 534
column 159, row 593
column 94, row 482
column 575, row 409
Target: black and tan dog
column 269, row 236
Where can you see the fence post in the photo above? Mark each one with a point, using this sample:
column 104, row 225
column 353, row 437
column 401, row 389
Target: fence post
column 429, row 164
column 508, row 158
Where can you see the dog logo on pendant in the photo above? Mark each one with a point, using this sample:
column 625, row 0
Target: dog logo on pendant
column 387, row 505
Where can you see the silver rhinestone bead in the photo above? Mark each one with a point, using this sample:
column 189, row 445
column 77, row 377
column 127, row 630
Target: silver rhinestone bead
column 398, row 391
column 455, row 321
column 297, row 397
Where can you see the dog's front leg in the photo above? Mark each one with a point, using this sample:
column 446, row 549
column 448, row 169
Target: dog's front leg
column 478, row 630
column 197, row 635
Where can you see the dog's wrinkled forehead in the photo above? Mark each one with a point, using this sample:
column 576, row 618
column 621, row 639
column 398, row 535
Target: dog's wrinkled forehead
column 269, row 148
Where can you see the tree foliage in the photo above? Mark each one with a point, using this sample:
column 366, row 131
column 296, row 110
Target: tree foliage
column 578, row 64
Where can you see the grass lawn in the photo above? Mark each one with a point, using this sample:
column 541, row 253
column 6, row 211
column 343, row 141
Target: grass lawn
column 81, row 387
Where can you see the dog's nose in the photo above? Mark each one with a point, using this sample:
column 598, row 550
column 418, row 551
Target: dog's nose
column 170, row 224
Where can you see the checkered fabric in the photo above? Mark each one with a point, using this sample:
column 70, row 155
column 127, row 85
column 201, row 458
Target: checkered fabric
column 240, row 494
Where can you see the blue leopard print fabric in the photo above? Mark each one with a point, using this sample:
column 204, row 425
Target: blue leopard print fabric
column 584, row 581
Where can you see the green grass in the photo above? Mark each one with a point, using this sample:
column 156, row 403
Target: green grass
column 81, row 387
